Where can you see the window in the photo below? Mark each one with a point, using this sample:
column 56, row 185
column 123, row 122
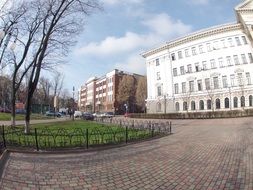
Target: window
column 201, row 105
column 183, row 87
column 194, row 51
column 209, row 104
column 158, row 107
column 212, row 61
column 158, row 77
column 236, row 60
column 201, row 49
column 244, row 40
column 193, row 105
column 223, row 42
column 197, row 67
column 250, row 57
column 176, row 88
column 248, row 78
column 159, row 91
column 173, row 57
column 240, row 79
column 175, row 72
column 177, row 106
column 217, row 103
column 238, row 42
column 235, row 102
column 232, row 80
column 208, row 47
column 250, row 100
column 182, row 71
column 157, row 62
column 244, row 60
column 199, row 85
column 229, row 62
column 224, row 81
column 204, row 65
column 221, row 62
column 215, row 82
column 207, row 84
column 189, row 68
column 216, row 45
column 191, row 86
column 242, row 101
column 226, row 102
column 230, row 42
column 187, row 53
column 180, row 55
column 185, row 107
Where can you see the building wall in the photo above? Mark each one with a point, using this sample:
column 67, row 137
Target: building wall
column 223, row 55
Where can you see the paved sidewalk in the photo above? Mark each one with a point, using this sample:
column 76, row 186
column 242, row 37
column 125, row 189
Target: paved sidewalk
column 201, row 154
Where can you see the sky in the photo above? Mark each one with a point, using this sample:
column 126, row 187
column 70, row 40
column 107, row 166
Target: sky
column 115, row 37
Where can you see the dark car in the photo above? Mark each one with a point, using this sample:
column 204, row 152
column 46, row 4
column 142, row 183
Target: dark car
column 87, row 116
column 5, row 110
column 20, row 111
column 56, row 114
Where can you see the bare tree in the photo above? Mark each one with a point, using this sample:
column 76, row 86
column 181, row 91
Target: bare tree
column 61, row 21
column 141, row 93
column 57, row 83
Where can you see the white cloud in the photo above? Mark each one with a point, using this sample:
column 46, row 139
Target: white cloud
column 162, row 24
column 160, row 28
column 134, row 63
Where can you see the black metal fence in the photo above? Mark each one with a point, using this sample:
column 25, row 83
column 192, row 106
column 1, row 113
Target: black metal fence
column 62, row 138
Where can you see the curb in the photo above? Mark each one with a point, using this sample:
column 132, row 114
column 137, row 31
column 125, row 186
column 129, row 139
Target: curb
column 3, row 159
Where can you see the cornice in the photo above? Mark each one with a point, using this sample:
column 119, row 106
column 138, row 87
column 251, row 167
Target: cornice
column 195, row 36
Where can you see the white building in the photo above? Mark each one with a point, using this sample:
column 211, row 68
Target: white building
column 208, row 70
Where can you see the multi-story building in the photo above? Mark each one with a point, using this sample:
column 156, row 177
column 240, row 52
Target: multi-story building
column 208, row 70
column 100, row 94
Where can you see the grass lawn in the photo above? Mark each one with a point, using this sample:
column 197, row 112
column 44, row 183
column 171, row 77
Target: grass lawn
column 7, row 117
column 69, row 134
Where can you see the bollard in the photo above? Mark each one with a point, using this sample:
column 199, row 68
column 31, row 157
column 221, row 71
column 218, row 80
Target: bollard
column 170, row 127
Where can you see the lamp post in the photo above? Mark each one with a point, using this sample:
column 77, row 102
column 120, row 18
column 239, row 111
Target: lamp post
column 73, row 107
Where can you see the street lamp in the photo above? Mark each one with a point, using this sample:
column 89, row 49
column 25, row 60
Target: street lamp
column 73, row 103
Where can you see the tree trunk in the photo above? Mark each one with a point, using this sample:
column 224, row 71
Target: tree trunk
column 13, row 105
column 28, row 111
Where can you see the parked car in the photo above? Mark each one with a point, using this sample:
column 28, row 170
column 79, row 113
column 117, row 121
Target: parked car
column 5, row 110
column 20, row 111
column 87, row 116
column 108, row 115
column 77, row 114
column 97, row 114
column 51, row 113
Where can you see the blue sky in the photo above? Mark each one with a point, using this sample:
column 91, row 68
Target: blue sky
column 115, row 37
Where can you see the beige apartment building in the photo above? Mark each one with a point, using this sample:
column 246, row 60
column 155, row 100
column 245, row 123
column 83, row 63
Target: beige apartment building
column 99, row 94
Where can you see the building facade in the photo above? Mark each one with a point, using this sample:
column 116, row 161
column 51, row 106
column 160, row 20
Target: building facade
column 208, row 70
column 100, row 94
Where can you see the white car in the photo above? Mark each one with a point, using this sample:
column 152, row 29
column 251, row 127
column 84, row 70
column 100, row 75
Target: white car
column 78, row 114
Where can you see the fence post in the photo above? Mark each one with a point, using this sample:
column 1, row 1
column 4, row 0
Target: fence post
column 120, row 123
column 87, row 138
column 126, row 134
column 36, row 140
column 4, row 137
column 170, row 127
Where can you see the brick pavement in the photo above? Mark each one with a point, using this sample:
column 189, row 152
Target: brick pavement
column 201, row 154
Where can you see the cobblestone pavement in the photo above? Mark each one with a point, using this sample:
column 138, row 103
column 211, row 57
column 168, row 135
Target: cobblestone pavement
column 201, row 154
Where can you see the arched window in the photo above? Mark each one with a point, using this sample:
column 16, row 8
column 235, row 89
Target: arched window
column 226, row 102
column 250, row 100
column 177, row 106
column 235, row 102
column 185, row 107
column 201, row 105
column 217, row 103
column 242, row 101
column 158, row 107
column 209, row 104
column 193, row 106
